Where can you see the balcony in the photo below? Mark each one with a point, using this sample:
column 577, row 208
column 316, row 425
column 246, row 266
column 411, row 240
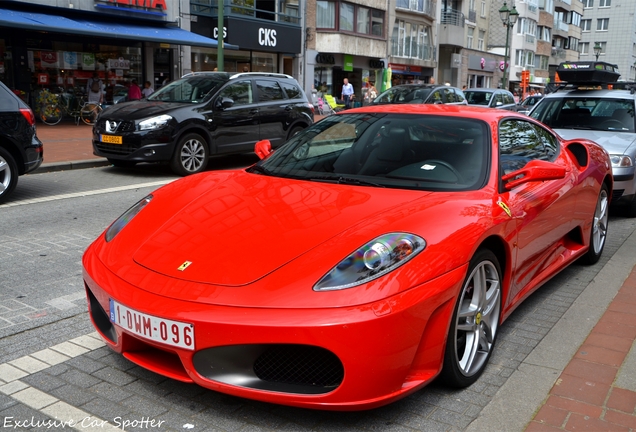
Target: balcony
column 405, row 48
column 451, row 29
column 424, row 6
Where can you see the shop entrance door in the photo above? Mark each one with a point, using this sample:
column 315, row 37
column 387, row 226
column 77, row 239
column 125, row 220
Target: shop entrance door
column 163, row 67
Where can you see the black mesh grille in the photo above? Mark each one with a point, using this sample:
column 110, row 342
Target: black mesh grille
column 123, row 126
column 299, row 364
column 117, row 149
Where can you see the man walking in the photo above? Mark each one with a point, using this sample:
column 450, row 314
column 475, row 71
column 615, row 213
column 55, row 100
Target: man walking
column 347, row 92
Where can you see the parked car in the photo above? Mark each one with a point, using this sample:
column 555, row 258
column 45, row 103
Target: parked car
column 587, row 108
column 20, row 149
column 492, row 98
column 526, row 105
column 200, row 115
column 421, row 94
column 379, row 248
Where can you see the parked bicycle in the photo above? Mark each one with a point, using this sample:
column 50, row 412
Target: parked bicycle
column 59, row 105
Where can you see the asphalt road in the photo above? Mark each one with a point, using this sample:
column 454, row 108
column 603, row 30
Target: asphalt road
column 44, row 328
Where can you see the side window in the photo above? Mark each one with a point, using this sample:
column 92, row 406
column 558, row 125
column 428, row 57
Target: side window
column 449, row 95
column 269, row 91
column 498, row 100
column 508, row 99
column 436, row 97
column 520, row 142
column 240, row 92
column 293, row 92
column 459, row 96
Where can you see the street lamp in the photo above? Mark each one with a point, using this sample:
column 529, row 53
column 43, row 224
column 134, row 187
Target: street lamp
column 508, row 18
column 597, row 50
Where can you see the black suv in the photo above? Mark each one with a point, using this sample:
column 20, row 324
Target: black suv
column 202, row 114
column 20, row 148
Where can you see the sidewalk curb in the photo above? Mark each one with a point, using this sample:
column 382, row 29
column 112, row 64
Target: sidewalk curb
column 513, row 407
column 65, row 166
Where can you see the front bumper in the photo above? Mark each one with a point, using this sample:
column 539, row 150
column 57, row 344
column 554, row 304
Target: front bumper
column 351, row 358
column 137, row 146
column 624, row 185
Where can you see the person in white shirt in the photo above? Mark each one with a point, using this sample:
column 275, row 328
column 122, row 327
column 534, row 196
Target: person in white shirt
column 95, row 90
column 347, row 92
column 147, row 90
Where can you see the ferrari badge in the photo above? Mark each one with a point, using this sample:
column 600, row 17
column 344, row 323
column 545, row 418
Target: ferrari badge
column 184, row 266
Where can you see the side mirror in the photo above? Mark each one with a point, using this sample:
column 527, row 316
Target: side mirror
column 263, row 149
column 536, row 170
column 224, row 103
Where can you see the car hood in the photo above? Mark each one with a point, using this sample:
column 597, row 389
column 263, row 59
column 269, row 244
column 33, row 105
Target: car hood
column 139, row 110
column 612, row 141
column 247, row 226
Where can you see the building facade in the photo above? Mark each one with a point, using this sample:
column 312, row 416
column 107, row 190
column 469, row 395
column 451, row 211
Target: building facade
column 58, row 46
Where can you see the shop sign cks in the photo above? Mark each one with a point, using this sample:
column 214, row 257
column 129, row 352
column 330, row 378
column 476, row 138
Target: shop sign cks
column 266, row 37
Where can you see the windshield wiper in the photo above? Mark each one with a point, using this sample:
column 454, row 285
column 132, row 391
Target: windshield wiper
column 345, row 180
column 259, row 169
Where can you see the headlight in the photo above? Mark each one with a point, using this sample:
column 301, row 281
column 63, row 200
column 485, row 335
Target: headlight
column 374, row 259
column 123, row 220
column 621, row 161
column 154, row 122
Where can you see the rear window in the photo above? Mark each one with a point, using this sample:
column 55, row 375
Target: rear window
column 478, row 97
column 404, row 95
column 8, row 100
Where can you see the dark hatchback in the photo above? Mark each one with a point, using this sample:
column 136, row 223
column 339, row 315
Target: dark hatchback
column 20, row 149
column 200, row 115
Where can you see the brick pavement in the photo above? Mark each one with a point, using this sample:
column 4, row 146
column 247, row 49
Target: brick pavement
column 588, row 394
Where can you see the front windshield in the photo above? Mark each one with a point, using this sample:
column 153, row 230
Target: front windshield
column 408, row 151
column 403, row 95
column 193, row 89
column 478, row 97
column 587, row 113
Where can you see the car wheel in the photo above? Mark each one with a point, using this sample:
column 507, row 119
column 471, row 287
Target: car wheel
column 190, row 156
column 473, row 330
column 295, row 131
column 8, row 174
column 599, row 228
column 121, row 163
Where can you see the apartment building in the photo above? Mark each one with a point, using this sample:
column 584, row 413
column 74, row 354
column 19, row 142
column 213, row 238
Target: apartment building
column 610, row 25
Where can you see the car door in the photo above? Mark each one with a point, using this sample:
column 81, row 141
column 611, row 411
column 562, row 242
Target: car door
column 542, row 209
column 235, row 127
column 275, row 111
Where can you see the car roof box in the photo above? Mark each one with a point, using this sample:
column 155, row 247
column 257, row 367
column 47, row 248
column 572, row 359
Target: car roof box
column 588, row 72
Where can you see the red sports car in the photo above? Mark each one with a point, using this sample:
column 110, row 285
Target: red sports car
column 379, row 248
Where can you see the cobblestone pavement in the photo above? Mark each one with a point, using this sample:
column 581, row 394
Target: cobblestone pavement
column 51, row 365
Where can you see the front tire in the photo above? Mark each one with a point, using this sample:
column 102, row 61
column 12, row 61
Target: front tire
column 190, row 156
column 473, row 329
column 599, row 228
column 90, row 112
column 8, row 174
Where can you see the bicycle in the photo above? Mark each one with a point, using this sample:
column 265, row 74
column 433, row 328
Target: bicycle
column 57, row 106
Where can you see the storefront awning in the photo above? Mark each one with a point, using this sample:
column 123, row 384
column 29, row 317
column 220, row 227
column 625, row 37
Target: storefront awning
column 60, row 24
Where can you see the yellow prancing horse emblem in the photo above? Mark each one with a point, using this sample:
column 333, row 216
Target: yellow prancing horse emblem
column 184, row 266
column 505, row 208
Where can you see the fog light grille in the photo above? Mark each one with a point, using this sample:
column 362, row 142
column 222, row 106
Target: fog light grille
column 299, row 364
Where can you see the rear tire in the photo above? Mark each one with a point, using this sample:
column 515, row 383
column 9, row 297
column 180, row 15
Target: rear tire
column 598, row 232
column 51, row 114
column 473, row 330
column 8, row 174
column 295, row 131
column 190, row 155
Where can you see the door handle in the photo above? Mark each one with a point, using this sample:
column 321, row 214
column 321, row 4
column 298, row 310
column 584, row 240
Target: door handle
column 254, row 111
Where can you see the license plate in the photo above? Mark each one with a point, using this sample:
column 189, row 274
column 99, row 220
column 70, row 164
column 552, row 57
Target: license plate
column 173, row 333
column 111, row 139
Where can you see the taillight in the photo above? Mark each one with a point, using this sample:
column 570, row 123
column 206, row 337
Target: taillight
column 311, row 107
column 28, row 115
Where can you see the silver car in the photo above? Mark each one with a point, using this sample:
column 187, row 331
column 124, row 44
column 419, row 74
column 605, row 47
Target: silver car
column 604, row 116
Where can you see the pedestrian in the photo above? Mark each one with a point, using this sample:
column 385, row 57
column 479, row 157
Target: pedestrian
column 347, row 92
column 134, row 92
column 372, row 93
column 95, row 89
column 148, row 90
